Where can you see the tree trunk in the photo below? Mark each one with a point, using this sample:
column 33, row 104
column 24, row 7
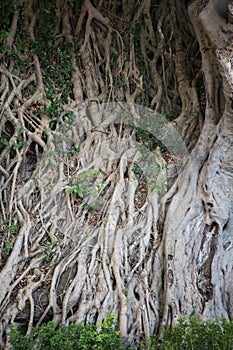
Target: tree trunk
column 116, row 163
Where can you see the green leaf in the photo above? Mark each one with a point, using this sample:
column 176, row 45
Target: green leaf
column 22, row 128
column 53, row 161
column 4, row 141
column 80, row 194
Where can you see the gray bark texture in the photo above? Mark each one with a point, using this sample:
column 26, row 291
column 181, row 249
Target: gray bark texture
column 116, row 163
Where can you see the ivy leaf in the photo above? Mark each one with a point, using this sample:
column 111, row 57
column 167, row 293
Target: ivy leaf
column 76, row 189
column 4, row 142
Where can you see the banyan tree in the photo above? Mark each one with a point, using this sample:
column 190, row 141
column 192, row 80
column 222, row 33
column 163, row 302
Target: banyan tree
column 116, row 163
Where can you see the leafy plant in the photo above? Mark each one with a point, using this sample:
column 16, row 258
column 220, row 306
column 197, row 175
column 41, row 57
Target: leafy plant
column 186, row 335
column 18, row 144
column 8, row 246
column 50, row 158
column 155, row 179
column 194, row 335
column 11, row 228
column 77, row 337
column 3, row 35
column 4, row 141
column 85, row 183
column 76, row 189
column 50, row 249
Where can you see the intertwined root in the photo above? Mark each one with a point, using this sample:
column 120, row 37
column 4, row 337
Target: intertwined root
column 82, row 217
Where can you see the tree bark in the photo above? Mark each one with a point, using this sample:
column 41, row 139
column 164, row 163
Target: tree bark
column 116, row 164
